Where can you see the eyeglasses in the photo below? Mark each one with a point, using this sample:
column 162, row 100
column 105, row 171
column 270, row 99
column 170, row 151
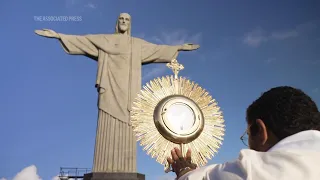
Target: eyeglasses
column 244, row 138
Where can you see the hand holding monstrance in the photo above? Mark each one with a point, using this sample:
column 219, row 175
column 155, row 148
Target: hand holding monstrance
column 172, row 112
column 181, row 164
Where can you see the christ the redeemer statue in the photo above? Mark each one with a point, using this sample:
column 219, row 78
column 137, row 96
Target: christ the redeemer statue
column 119, row 58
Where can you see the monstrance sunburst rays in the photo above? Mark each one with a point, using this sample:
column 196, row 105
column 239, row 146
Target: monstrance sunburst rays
column 204, row 147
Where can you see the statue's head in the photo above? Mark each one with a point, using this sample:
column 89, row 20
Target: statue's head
column 123, row 24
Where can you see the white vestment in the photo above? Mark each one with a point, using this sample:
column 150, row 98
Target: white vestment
column 296, row 157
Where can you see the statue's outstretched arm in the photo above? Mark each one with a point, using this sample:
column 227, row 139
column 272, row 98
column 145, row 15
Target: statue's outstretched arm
column 72, row 44
column 153, row 53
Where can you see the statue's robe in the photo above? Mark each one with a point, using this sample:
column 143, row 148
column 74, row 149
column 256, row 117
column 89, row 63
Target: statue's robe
column 118, row 81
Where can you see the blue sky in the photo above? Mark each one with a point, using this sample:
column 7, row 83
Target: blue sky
column 48, row 101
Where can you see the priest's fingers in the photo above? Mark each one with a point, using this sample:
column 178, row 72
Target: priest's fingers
column 170, row 161
column 174, row 155
column 178, row 152
column 188, row 155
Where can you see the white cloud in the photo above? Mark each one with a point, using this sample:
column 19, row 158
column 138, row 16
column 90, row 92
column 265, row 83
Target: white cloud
column 255, row 37
column 270, row 60
column 177, row 37
column 70, row 3
column 80, row 4
column 284, row 34
column 316, row 90
column 91, row 5
column 56, row 178
column 28, row 173
column 154, row 72
column 258, row 36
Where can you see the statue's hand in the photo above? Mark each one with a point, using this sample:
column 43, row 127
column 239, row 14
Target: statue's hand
column 47, row 33
column 189, row 47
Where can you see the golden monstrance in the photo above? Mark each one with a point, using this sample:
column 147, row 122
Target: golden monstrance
column 173, row 112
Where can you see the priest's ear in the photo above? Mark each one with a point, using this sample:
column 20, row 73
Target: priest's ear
column 259, row 133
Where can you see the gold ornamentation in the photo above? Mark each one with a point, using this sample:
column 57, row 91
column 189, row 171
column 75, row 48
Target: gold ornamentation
column 176, row 67
column 159, row 131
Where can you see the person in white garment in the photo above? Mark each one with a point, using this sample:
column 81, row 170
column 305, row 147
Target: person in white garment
column 283, row 129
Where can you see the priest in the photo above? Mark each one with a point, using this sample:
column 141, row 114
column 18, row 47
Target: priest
column 283, row 129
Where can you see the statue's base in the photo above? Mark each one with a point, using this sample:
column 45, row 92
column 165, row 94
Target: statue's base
column 113, row 176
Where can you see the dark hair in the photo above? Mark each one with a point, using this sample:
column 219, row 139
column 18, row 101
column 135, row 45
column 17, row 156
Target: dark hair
column 285, row 111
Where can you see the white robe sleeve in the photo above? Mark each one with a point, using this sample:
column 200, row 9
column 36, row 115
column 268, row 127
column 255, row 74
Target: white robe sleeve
column 226, row 171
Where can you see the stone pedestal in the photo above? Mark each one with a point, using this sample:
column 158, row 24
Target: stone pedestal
column 113, row 176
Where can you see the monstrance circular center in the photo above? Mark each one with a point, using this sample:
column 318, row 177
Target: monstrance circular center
column 180, row 118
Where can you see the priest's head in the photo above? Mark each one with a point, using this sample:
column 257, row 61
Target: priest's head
column 279, row 113
column 123, row 25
